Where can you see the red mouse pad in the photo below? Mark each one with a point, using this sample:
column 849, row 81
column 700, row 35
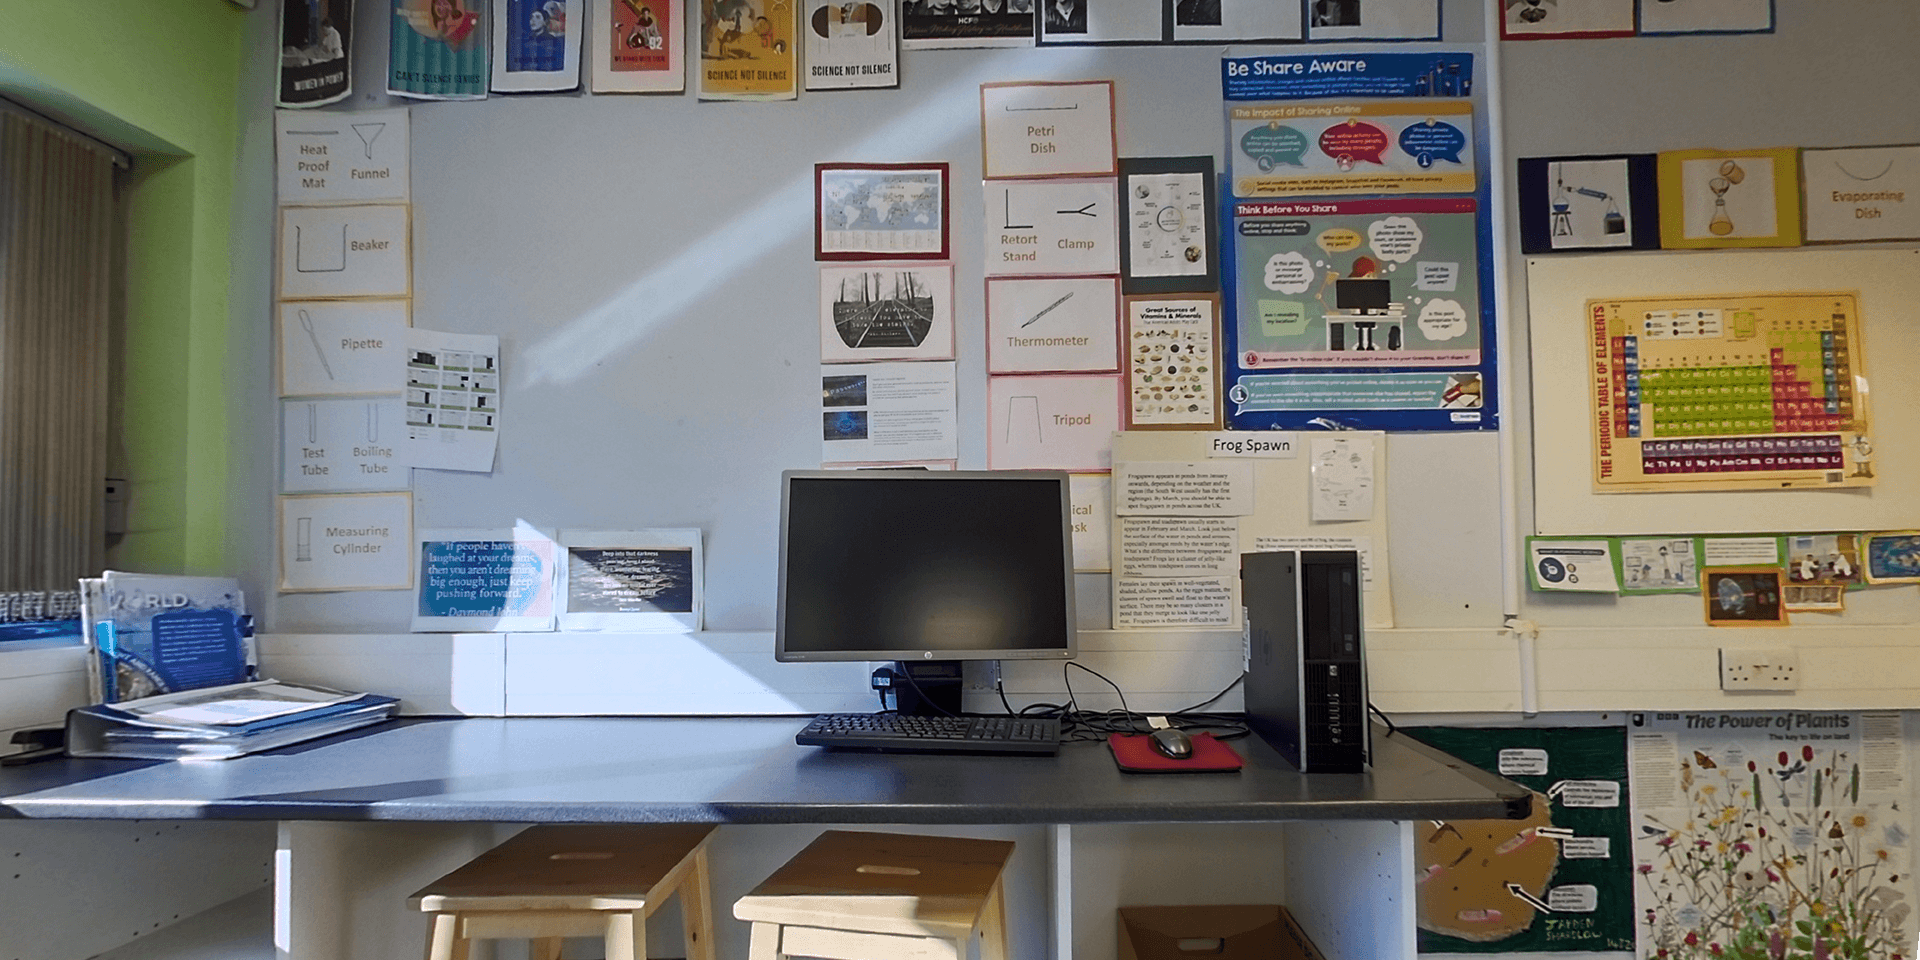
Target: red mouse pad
column 1135, row 754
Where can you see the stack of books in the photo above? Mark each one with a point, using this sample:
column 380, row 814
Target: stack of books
column 218, row 723
column 173, row 673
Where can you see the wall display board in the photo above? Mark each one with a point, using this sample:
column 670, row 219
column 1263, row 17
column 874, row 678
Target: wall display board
column 1751, row 392
column 1762, row 828
column 1570, row 860
column 1722, row 358
column 1360, row 312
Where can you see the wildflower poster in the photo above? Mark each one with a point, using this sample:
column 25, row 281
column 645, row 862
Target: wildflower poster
column 1558, row 881
column 1771, row 835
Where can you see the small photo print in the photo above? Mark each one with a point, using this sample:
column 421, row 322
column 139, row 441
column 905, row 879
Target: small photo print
column 1065, row 16
column 536, row 35
column 1654, row 565
column 1819, row 597
column 1335, row 13
column 843, row 425
column 843, row 391
column 1893, row 557
column 877, row 311
column 1830, row 559
column 1199, row 13
column 1744, row 597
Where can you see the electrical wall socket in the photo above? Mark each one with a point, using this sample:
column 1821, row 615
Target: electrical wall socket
column 1767, row 669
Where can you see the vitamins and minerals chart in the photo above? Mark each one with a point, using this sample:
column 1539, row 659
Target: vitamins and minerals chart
column 1725, row 393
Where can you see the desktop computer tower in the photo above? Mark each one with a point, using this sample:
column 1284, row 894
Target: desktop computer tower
column 1306, row 686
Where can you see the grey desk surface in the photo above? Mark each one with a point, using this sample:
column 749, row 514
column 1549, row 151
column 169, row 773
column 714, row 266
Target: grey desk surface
column 726, row 770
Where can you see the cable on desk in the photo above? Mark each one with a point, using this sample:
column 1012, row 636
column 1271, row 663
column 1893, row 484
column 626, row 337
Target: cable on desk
column 1086, row 726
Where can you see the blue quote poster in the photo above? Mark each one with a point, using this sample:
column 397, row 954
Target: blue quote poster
column 484, row 581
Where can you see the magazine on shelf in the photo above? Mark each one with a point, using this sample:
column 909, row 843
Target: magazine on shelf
column 150, row 634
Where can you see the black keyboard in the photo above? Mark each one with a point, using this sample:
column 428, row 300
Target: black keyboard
column 889, row 731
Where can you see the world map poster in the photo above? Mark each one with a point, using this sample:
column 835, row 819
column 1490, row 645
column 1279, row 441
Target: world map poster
column 880, row 211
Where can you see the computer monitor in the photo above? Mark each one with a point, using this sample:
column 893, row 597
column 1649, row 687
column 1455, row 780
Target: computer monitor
column 925, row 566
column 1362, row 296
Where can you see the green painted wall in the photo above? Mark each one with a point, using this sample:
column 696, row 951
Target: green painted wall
column 159, row 77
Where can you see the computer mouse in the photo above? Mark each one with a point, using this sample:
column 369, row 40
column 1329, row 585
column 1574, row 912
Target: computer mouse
column 1171, row 743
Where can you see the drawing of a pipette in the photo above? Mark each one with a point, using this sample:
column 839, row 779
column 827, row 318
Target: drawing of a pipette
column 1048, row 308
column 306, row 323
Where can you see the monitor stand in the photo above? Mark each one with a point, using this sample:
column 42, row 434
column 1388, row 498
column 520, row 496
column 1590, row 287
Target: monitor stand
column 934, row 692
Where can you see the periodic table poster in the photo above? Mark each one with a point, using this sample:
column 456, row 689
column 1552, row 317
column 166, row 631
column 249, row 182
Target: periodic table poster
column 1749, row 392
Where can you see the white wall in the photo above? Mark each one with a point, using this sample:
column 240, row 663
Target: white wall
column 649, row 387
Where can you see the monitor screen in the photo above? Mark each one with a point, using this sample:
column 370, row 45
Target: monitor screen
column 1370, row 296
column 925, row 565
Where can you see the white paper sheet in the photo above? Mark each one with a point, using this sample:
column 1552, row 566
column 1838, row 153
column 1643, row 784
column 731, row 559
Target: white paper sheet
column 1343, row 482
column 1052, row 422
column 1167, row 603
column 1203, row 489
column 1360, row 545
column 1048, row 129
column 1739, row 551
column 453, row 400
column 357, row 251
column 1092, row 498
column 1572, row 566
column 1179, row 547
column 340, row 157
column 888, row 411
column 1053, row 325
column 1862, row 193
column 347, row 542
column 1052, row 227
column 332, row 347
column 339, row 445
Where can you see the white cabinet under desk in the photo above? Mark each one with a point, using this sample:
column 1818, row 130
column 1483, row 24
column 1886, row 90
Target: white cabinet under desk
column 368, row 817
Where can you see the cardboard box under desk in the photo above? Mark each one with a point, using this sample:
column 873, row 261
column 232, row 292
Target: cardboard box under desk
column 1214, row 933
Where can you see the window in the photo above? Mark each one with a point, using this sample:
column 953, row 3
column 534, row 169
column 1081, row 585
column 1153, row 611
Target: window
column 59, row 244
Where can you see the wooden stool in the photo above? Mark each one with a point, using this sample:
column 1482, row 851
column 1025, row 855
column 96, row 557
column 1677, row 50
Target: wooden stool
column 882, row 896
column 557, row 881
